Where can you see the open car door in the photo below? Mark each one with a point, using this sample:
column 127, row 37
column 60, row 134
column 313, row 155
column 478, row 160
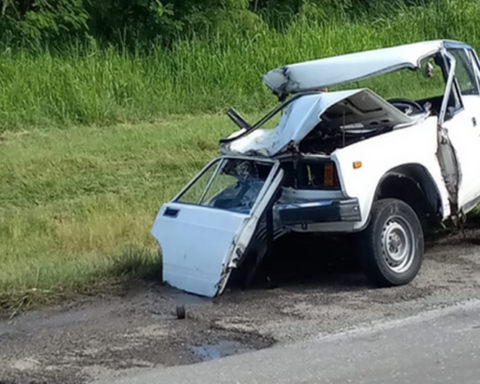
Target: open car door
column 206, row 229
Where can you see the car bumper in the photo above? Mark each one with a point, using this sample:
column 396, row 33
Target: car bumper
column 317, row 212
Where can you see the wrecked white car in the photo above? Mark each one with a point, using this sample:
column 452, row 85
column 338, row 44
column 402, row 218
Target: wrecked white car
column 341, row 160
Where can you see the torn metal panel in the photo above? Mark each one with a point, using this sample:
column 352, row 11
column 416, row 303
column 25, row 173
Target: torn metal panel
column 330, row 71
column 447, row 158
column 350, row 109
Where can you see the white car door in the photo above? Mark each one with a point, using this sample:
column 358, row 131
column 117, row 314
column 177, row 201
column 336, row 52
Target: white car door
column 209, row 225
column 464, row 128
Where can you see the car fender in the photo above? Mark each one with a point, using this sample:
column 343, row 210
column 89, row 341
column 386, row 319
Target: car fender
column 380, row 155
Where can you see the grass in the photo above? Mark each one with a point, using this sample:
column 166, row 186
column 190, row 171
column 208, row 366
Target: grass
column 77, row 206
column 91, row 86
column 93, row 141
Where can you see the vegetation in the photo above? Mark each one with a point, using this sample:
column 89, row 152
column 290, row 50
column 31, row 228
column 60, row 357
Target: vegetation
column 77, row 207
column 108, row 107
column 90, row 82
column 131, row 23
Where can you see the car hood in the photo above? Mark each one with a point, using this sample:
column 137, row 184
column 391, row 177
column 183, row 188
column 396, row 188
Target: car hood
column 304, row 114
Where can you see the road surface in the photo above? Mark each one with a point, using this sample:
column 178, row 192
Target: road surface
column 441, row 346
column 137, row 334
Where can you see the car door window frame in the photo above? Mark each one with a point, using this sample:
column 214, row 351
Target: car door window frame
column 475, row 65
column 450, row 91
column 465, row 63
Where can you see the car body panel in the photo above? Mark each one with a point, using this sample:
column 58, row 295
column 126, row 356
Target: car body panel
column 195, row 245
column 337, row 70
column 201, row 244
column 413, row 145
column 464, row 132
column 302, row 116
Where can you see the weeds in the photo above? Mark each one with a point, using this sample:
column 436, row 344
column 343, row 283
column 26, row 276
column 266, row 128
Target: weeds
column 77, row 206
column 80, row 184
column 89, row 85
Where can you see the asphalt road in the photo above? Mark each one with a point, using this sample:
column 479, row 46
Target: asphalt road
column 440, row 346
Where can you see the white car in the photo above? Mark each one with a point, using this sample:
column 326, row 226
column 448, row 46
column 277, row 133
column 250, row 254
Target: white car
column 342, row 161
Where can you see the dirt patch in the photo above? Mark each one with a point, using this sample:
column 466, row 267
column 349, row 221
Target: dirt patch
column 100, row 338
column 110, row 337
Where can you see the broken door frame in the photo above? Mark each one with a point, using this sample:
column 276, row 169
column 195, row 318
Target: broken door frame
column 246, row 233
column 449, row 165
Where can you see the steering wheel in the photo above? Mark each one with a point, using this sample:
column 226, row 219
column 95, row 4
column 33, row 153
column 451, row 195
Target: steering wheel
column 409, row 107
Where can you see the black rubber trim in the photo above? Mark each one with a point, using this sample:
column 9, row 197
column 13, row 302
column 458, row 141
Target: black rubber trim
column 322, row 211
column 171, row 212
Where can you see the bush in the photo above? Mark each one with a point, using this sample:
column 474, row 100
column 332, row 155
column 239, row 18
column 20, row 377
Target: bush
column 143, row 23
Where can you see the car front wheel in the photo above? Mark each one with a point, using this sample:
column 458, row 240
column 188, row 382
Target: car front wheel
column 391, row 247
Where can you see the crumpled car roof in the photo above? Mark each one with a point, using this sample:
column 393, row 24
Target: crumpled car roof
column 337, row 70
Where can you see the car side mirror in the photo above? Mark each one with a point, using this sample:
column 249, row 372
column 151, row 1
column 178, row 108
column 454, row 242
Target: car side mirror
column 429, row 70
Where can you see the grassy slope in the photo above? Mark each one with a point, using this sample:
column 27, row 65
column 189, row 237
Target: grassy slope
column 77, row 201
column 78, row 205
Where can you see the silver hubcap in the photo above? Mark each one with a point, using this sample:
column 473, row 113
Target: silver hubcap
column 398, row 244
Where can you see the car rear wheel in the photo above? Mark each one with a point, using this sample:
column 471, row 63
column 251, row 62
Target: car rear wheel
column 391, row 247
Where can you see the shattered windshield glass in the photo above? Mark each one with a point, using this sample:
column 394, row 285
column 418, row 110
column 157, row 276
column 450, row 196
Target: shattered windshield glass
column 230, row 184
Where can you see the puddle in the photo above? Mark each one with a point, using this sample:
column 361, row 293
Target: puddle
column 221, row 349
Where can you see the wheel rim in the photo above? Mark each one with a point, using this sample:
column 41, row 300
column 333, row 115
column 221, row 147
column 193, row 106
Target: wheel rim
column 398, row 244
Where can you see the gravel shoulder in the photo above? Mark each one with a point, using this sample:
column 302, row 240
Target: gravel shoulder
column 109, row 337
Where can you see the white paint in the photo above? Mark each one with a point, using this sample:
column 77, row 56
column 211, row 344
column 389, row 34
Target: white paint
column 200, row 245
column 195, row 245
column 303, row 115
column 382, row 326
column 380, row 154
column 465, row 138
column 327, row 72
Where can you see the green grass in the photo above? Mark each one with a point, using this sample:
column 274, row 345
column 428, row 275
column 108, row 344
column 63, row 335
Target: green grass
column 92, row 86
column 77, row 206
column 93, row 141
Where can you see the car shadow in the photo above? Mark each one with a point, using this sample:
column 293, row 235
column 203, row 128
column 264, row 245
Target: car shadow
column 310, row 262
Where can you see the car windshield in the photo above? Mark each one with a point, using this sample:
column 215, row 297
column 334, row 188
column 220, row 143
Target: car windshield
column 230, row 184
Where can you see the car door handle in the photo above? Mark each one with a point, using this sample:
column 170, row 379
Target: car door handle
column 171, row 212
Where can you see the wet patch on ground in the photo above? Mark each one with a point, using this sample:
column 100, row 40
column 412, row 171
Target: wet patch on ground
column 222, row 348
column 97, row 339
column 317, row 290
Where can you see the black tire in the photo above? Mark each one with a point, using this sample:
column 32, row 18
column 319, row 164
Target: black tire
column 387, row 260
